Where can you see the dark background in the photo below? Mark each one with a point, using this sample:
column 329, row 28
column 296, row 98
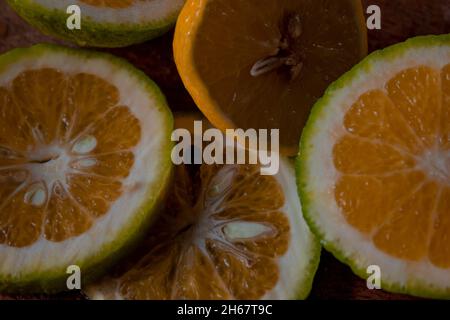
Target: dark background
column 401, row 19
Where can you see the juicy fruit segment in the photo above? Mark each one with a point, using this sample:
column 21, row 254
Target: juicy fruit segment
column 395, row 186
column 65, row 147
column 271, row 61
column 220, row 238
column 110, row 3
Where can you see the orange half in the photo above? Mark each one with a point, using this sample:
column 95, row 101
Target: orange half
column 262, row 65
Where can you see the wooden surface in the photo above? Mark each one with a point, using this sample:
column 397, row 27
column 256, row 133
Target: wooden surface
column 401, row 19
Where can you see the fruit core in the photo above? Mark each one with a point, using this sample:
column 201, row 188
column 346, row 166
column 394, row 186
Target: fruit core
column 286, row 56
column 436, row 163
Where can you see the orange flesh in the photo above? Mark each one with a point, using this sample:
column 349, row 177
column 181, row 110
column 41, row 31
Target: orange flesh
column 394, row 162
column 235, row 34
column 52, row 184
column 191, row 253
column 118, row 4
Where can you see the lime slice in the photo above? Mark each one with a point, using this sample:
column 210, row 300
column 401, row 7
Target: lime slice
column 84, row 160
column 104, row 23
column 374, row 167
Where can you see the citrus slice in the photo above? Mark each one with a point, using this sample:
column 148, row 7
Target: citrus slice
column 227, row 233
column 104, row 23
column 374, row 167
column 262, row 65
column 84, row 159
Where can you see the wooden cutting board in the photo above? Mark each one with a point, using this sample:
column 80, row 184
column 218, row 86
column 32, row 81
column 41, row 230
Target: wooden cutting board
column 401, row 19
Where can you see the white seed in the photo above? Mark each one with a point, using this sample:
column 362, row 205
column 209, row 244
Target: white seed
column 85, row 145
column 36, row 195
column 266, row 65
column 295, row 27
column 86, row 163
column 244, row 230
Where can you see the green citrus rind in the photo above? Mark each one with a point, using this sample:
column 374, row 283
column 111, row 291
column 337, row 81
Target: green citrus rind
column 296, row 269
column 312, row 249
column 94, row 34
column 93, row 266
column 305, row 286
column 414, row 286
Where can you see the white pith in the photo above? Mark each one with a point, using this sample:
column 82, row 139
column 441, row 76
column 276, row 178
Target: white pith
column 49, row 173
column 138, row 13
column 45, row 256
column 295, row 266
column 43, row 177
column 321, row 175
column 436, row 163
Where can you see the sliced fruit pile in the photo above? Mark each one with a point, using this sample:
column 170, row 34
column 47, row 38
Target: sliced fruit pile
column 374, row 167
column 85, row 153
column 84, row 158
column 227, row 233
column 104, row 23
column 249, row 65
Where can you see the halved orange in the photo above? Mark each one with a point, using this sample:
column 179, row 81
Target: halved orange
column 374, row 167
column 227, row 233
column 84, row 159
column 263, row 64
